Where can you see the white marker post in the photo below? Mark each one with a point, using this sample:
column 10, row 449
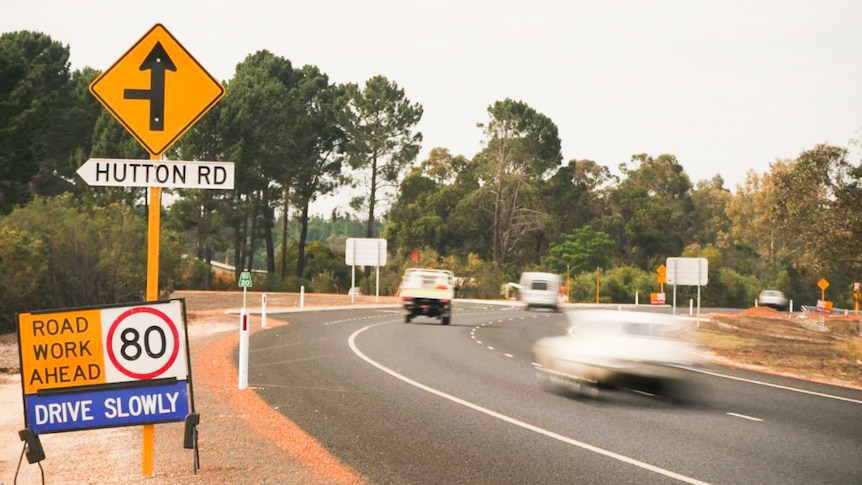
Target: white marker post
column 243, row 349
column 244, row 283
column 263, row 310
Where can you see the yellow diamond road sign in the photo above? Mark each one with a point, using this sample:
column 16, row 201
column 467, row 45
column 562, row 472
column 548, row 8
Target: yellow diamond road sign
column 157, row 90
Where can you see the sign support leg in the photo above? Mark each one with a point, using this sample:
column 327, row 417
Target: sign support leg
column 153, row 228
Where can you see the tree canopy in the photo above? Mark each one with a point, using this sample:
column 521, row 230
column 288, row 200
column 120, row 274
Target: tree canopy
column 295, row 136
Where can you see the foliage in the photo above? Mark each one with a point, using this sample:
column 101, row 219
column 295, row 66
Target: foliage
column 76, row 255
column 522, row 147
column 382, row 141
column 22, row 270
column 292, row 134
column 37, row 133
column 580, row 251
column 650, row 211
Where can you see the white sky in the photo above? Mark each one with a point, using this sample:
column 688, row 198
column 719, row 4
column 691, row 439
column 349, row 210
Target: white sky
column 726, row 86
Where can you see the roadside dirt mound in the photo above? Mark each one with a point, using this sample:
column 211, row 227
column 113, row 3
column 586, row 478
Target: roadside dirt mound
column 762, row 311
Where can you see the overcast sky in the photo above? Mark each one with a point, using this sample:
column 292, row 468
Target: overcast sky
column 726, row 86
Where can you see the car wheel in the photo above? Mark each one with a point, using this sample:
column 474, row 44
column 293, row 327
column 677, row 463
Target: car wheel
column 446, row 320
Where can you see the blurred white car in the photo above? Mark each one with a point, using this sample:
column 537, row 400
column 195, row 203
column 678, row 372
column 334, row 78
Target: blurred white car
column 617, row 349
column 772, row 298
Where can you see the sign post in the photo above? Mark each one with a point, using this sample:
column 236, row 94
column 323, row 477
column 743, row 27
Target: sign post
column 157, row 91
column 364, row 252
column 687, row 271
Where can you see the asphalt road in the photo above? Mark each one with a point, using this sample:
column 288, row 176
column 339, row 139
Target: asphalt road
column 425, row 403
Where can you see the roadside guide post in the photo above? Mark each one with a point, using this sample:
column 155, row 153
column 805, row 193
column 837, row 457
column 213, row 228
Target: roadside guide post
column 157, row 91
column 263, row 310
column 244, row 283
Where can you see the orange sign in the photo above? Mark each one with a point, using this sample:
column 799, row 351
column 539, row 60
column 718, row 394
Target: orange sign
column 157, row 90
column 60, row 350
column 662, row 274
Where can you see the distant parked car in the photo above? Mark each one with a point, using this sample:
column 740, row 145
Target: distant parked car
column 773, row 299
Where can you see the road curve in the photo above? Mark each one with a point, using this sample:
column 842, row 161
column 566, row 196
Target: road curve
column 425, row 403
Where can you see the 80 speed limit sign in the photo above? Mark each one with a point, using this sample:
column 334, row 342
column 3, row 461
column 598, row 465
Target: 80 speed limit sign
column 144, row 342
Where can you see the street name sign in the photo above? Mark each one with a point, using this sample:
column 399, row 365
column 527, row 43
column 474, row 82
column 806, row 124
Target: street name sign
column 157, row 90
column 109, row 172
column 101, row 367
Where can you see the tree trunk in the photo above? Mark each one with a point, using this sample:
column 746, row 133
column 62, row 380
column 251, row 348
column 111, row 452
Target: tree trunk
column 268, row 224
column 284, row 233
column 208, row 276
column 303, row 234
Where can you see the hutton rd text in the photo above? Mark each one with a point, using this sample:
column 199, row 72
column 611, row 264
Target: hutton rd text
column 147, row 173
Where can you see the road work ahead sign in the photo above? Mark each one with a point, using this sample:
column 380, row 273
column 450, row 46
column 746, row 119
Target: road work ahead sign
column 157, row 90
column 104, row 367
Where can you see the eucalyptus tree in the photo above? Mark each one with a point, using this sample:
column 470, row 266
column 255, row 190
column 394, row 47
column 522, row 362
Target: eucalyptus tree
column 318, row 141
column 709, row 221
column 582, row 250
column 522, row 146
column 428, row 197
column 757, row 243
column 38, row 131
column 815, row 203
column 650, row 211
column 576, row 195
column 257, row 118
column 382, row 143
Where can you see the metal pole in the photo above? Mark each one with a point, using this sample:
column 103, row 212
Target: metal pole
column 153, row 231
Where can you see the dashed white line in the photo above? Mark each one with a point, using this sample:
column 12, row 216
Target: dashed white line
column 502, row 417
column 750, row 418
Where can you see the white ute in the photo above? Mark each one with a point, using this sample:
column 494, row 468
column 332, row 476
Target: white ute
column 427, row 292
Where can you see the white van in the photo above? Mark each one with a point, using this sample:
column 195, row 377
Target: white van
column 540, row 290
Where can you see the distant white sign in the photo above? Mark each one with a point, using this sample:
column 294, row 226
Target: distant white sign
column 687, row 271
column 110, row 172
column 365, row 252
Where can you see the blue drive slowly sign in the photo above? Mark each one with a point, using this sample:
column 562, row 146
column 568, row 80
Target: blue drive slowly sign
column 105, row 408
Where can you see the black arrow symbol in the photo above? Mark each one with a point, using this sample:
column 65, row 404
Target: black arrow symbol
column 157, row 62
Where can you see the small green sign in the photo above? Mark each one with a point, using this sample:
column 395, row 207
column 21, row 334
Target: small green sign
column 244, row 279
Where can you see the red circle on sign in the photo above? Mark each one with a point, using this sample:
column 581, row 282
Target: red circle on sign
column 158, row 371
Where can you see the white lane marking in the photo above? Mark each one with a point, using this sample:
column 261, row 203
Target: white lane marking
column 750, row 418
column 776, row 386
column 509, row 355
column 502, row 417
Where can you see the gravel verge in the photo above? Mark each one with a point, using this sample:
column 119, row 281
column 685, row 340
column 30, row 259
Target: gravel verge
column 241, row 438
